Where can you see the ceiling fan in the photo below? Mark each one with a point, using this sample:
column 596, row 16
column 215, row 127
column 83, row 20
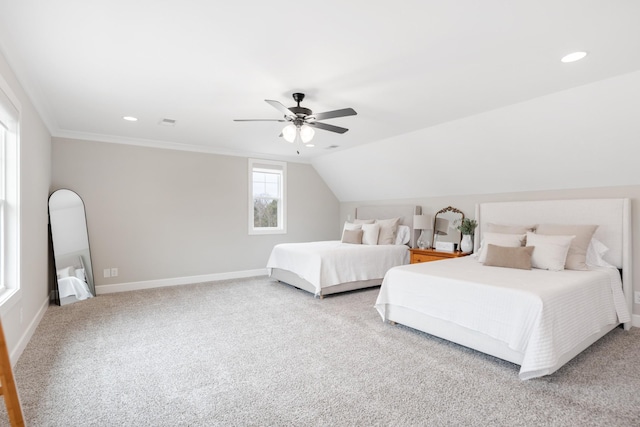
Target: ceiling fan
column 302, row 120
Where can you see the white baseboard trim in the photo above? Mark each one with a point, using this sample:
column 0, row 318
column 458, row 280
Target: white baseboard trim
column 26, row 337
column 148, row 284
column 635, row 320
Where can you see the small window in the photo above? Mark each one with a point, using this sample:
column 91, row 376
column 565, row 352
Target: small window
column 267, row 197
column 9, row 206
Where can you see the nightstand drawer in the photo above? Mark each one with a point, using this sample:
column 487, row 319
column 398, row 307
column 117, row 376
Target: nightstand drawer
column 428, row 255
column 416, row 258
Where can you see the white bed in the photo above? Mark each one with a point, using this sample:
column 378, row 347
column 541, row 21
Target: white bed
column 72, row 281
column 329, row 267
column 535, row 318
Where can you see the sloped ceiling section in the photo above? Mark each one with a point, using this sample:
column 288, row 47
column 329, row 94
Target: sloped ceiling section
column 579, row 138
column 403, row 66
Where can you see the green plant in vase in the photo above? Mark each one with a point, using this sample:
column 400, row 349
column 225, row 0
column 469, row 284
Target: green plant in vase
column 467, row 227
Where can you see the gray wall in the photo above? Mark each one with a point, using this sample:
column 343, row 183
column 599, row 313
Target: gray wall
column 160, row 214
column 430, row 205
column 20, row 319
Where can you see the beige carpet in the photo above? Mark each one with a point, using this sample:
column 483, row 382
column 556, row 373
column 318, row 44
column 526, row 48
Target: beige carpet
column 257, row 352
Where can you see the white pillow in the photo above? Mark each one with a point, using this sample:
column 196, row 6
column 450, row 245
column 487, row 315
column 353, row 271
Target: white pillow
column 66, row 272
column 370, row 234
column 404, row 235
column 80, row 274
column 595, row 254
column 550, row 251
column 499, row 239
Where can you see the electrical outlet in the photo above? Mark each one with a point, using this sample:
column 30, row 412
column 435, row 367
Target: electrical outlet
column 114, row 272
column 637, row 297
column 106, row 272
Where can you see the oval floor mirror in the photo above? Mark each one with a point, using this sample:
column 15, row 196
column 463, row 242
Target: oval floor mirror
column 71, row 254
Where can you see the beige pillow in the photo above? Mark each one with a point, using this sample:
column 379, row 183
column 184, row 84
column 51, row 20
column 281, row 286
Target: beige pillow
column 509, row 229
column 550, row 252
column 370, row 234
column 350, row 226
column 503, row 256
column 388, row 230
column 499, row 239
column 577, row 256
column 352, row 236
column 364, row 221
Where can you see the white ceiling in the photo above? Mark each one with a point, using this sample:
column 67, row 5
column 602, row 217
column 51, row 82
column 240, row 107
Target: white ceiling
column 404, row 66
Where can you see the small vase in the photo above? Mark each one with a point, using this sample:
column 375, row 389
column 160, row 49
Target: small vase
column 466, row 245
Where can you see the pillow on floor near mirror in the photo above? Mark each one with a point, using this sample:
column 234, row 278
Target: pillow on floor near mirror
column 576, row 258
column 504, row 256
column 499, row 239
column 370, row 234
column 550, row 252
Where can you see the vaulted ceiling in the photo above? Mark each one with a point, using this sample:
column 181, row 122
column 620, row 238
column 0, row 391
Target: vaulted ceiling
column 403, row 66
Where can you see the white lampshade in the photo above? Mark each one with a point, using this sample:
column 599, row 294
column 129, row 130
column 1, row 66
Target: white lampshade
column 306, row 133
column 422, row 222
column 289, row 133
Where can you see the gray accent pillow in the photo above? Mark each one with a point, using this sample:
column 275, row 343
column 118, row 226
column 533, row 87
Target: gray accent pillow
column 577, row 256
column 503, row 256
column 352, row 236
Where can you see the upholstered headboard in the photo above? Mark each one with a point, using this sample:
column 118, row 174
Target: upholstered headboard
column 405, row 212
column 613, row 217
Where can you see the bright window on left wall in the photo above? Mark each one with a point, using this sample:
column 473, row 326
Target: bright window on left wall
column 267, row 197
column 9, row 193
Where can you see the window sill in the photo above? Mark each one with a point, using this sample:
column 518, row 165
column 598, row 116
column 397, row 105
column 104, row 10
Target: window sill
column 258, row 232
column 8, row 299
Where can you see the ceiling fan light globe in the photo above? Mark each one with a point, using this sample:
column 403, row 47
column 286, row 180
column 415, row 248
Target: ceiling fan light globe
column 289, row 133
column 306, row 133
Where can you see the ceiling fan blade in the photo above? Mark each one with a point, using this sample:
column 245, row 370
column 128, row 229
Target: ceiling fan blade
column 259, row 120
column 325, row 126
column 280, row 107
column 335, row 113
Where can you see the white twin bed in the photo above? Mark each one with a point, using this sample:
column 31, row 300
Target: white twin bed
column 538, row 319
column 329, row 267
column 72, row 280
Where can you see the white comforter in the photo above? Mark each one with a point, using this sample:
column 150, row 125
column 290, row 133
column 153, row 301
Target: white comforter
column 541, row 314
column 330, row 263
column 68, row 286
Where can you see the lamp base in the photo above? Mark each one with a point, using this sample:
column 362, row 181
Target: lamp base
column 424, row 241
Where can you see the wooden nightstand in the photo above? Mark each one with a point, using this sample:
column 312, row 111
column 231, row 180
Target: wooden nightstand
column 426, row 255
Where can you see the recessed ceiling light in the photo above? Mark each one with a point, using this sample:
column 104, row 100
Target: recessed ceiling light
column 573, row 57
column 130, row 118
column 167, row 122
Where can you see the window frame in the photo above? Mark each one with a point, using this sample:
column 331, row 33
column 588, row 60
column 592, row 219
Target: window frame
column 269, row 166
column 10, row 114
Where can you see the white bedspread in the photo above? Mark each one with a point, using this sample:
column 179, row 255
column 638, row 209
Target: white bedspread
column 540, row 313
column 331, row 263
